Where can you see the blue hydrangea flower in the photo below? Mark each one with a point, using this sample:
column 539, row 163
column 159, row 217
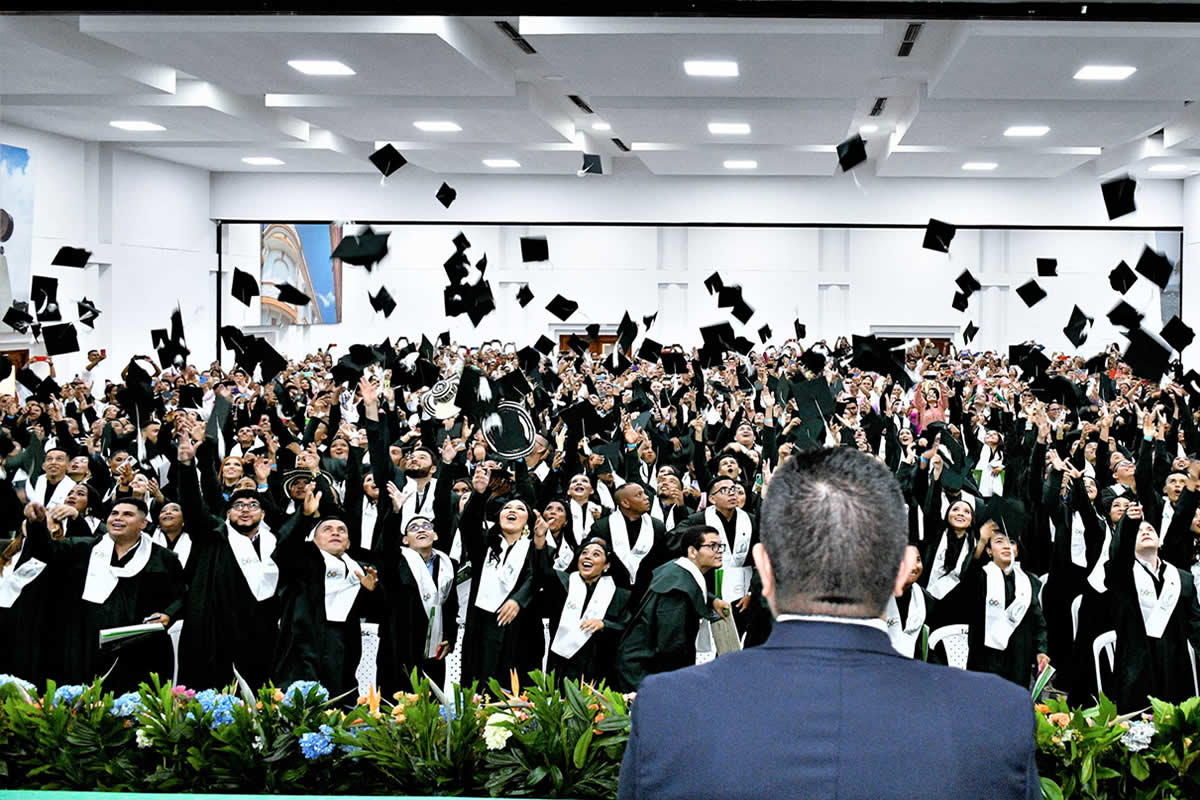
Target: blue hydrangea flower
column 448, row 712
column 1138, row 736
column 315, row 745
column 127, row 705
column 207, row 699
column 68, row 694
column 219, row 705
column 303, row 687
column 24, row 684
column 350, row 748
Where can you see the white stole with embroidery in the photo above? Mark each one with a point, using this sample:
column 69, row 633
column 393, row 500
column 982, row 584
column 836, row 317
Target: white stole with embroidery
column 569, row 638
column 500, row 573
column 183, row 545
column 1156, row 608
column 904, row 634
column 341, row 585
column 261, row 574
column 630, row 557
column 741, row 536
column 942, row 580
column 999, row 621
column 102, row 576
column 14, row 578
column 433, row 596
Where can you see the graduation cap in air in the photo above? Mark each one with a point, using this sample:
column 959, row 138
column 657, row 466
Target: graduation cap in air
column 44, row 298
column 814, row 395
column 871, row 353
column 648, row 321
column 591, row 165
column 17, row 317
column 813, row 361
column 764, row 334
column 1124, row 315
column 364, row 249
column 578, row 345
column 480, row 301
column 29, row 379
column 232, row 338
column 426, row 348
column 75, row 257
column 455, row 300
column 938, row 235
column 1146, row 356
column 544, row 345
column 1076, row 329
column 6, row 367
column 514, row 386
column 456, row 267
column 1122, row 278
column 561, row 307
column 719, row 336
column 529, row 359
column 292, row 296
column 626, row 332
column 87, row 312
column 534, row 248
column 1032, row 361
column 382, row 301
column 593, row 331
column 967, row 283
column 1031, row 293
column 1177, row 334
column 1118, row 196
column 524, row 296
column 851, row 153
column 444, row 339
column 800, row 329
column 728, row 296
column 714, row 283
column 617, row 362
column 60, row 339
column 445, row 195
column 1007, row 512
column 674, row 363
column 270, row 361
column 244, row 287
column 387, row 160
column 1155, row 267
column 959, row 303
column 1047, row 267
column 743, row 345
column 742, row 311
column 650, row 351
column 969, row 333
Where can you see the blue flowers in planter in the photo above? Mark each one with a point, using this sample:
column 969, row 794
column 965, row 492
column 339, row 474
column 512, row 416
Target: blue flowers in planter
column 24, row 684
column 69, row 693
column 315, row 745
column 304, row 687
column 220, row 705
column 127, row 705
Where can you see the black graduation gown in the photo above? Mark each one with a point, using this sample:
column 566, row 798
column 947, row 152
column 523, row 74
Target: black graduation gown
column 158, row 588
column 755, row 622
column 594, row 661
column 310, row 647
column 662, row 635
column 405, row 624
column 655, row 558
column 31, row 626
column 489, row 649
column 1146, row 666
column 1016, row 661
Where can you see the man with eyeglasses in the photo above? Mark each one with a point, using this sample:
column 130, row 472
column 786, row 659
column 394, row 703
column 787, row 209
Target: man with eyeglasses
column 673, row 619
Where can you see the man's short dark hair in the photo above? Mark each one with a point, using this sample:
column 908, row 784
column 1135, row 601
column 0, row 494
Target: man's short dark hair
column 694, row 536
column 132, row 501
column 835, row 526
column 718, row 479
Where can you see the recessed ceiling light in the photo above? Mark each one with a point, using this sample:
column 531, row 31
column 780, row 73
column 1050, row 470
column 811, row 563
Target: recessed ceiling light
column 552, row 78
column 437, row 126
column 501, row 163
column 136, row 125
column 980, row 166
column 1169, row 168
column 262, row 161
column 741, row 164
column 729, row 128
column 320, row 67
column 868, row 128
column 1097, row 72
column 711, row 69
column 1027, row 130
column 601, row 126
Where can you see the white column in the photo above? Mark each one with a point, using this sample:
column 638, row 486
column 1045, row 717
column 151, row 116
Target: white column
column 1189, row 306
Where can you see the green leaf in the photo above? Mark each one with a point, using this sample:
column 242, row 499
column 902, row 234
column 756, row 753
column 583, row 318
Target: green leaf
column 1138, row 767
column 1050, row 790
column 581, row 749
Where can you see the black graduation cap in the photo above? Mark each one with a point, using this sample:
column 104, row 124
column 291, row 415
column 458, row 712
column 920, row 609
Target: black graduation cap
column 1097, row 363
column 714, row 283
column 461, row 242
column 1191, row 381
column 36, row 330
column 1047, row 267
column 593, row 331
column 61, row 339
column 1007, row 512
column 1118, row 196
column 1030, row 293
column 244, row 286
column 514, row 386
column 17, row 317
column 1033, row 362
column 291, row 295
column 159, row 337
column 534, row 248
column 743, row 345
column 938, row 235
column 1177, row 333
column 728, row 296
column 814, row 395
column 800, row 328
column 561, row 307
column 764, row 333
column 29, row 379
column 719, row 336
column 480, row 301
column 387, row 160
column 648, row 321
column 44, row 298
column 445, row 195
column 578, row 345
column 269, row 360
column 870, row 353
column 524, row 296
column 87, row 312
column 426, row 348
column 591, row 165
column 1122, row 278
column 528, row 359
column 1146, row 356
column 582, row 418
column 1155, row 267
column 616, row 362
column 456, row 267
column 813, row 361
column 742, row 311
column 364, row 249
column 1125, row 316
column 233, row 338
column 674, row 363
column 851, row 153
column 481, row 265
column 544, row 345
column 382, row 301
column 1076, row 330
column 444, row 339
column 967, row 283
column 969, row 333
column 959, row 303
column 75, row 257
column 650, row 351
column 454, row 299
column 626, row 332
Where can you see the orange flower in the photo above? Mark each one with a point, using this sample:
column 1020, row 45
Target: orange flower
column 399, row 717
column 1187, row 741
column 373, row 699
column 278, row 695
column 599, row 717
column 358, row 721
column 128, row 724
column 1042, row 708
column 1060, row 719
column 259, row 705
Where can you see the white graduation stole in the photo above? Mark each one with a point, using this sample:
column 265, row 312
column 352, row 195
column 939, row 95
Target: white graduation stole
column 1078, row 541
column 904, row 635
column 741, row 535
column 500, row 573
column 261, row 574
column 370, row 513
column 183, row 545
column 14, row 578
column 942, row 580
column 37, row 493
column 631, row 557
column 999, row 621
column 1168, row 514
column 704, row 640
column 1096, row 576
column 581, row 519
column 102, row 576
column 341, row 585
column 569, row 638
column 414, row 505
column 432, row 595
column 1156, row 608
column 989, row 484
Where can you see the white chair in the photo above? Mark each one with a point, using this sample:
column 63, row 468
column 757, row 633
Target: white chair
column 1192, row 658
column 1075, row 615
column 1106, row 643
column 173, row 633
column 954, row 637
column 367, row 671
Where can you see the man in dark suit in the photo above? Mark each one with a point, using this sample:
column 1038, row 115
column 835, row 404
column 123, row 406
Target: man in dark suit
column 826, row 707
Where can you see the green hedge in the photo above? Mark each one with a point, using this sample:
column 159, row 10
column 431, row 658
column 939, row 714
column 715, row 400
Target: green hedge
column 536, row 740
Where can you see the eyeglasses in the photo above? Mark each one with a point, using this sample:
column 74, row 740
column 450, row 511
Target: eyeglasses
column 419, row 526
column 716, row 547
column 723, row 490
column 249, row 505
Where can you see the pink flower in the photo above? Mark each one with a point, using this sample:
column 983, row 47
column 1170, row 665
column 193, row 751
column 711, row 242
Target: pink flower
column 183, row 692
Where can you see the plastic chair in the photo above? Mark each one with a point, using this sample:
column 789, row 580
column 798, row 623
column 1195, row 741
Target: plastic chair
column 954, row 637
column 1075, row 616
column 1106, row 643
column 1192, row 658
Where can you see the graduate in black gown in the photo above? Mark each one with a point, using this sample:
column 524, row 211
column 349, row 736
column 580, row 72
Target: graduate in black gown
column 326, row 588
column 121, row 579
column 637, row 541
column 911, row 615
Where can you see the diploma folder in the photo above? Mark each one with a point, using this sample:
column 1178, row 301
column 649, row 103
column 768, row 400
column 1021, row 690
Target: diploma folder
column 725, row 636
column 113, row 637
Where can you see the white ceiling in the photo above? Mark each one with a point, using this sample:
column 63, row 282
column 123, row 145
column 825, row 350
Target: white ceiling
column 223, row 90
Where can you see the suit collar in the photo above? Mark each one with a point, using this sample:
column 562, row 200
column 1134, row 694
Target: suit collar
column 828, row 636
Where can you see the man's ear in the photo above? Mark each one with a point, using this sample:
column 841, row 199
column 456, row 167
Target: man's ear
column 766, row 573
column 907, row 563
